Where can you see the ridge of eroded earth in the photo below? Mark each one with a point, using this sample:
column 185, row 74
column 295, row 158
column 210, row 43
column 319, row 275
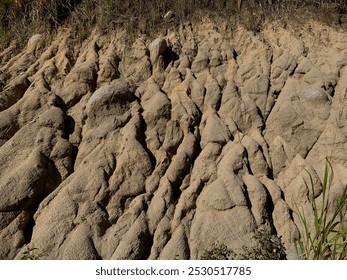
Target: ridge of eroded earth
column 159, row 150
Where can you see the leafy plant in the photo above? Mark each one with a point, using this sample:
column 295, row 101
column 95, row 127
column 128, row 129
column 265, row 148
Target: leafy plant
column 268, row 247
column 27, row 255
column 328, row 238
column 218, row 251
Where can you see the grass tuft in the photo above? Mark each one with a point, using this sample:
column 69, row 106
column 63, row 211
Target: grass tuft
column 328, row 237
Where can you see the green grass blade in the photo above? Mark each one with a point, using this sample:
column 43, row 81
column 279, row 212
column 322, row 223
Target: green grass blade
column 328, row 238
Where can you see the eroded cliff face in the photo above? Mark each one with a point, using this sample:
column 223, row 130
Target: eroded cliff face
column 159, row 150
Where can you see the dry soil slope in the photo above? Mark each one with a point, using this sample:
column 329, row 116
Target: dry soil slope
column 159, row 150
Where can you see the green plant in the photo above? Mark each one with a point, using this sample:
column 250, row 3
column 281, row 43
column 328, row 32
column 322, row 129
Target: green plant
column 268, row 247
column 328, row 238
column 218, row 251
column 27, row 255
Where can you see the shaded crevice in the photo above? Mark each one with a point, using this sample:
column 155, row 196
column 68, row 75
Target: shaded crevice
column 73, row 155
column 248, row 201
column 142, row 140
column 69, row 126
column 148, row 247
column 260, row 114
column 246, row 163
column 269, row 207
column 275, row 95
column 235, row 55
column 176, row 190
column 330, row 89
column 270, row 173
column 29, row 227
column 291, row 73
column 169, row 56
column 219, row 102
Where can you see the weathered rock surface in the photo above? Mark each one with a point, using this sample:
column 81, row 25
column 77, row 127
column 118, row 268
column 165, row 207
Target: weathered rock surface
column 159, row 150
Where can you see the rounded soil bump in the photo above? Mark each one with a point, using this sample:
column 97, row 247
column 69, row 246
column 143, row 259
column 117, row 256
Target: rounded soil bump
column 316, row 95
column 120, row 91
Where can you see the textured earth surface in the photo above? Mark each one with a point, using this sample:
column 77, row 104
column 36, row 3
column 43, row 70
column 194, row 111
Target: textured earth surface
column 158, row 150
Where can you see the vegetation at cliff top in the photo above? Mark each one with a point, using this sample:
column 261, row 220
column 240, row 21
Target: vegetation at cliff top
column 19, row 19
